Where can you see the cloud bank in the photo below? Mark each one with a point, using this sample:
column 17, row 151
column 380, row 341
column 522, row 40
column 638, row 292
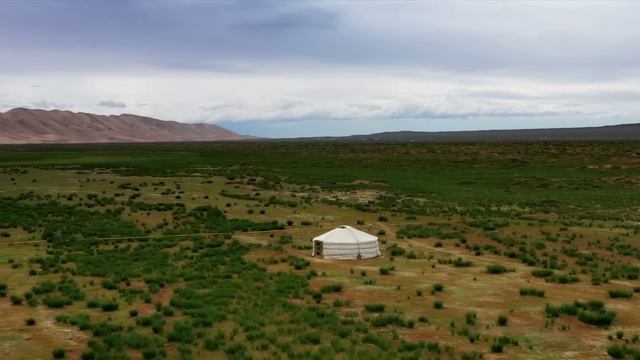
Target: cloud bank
column 333, row 66
column 113, row 104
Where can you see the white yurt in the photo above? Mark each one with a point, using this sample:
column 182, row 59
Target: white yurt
column 346, row 242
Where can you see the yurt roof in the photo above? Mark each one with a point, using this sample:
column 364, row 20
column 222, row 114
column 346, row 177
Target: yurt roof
column 346, row 234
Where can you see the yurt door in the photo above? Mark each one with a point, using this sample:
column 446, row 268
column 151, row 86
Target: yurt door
column 317, row 248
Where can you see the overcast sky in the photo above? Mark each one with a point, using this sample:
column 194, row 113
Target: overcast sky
column 303, row 68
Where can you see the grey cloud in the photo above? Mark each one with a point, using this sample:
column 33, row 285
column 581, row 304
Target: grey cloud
column 200, row 65
column 113, row 104
column 607, row 95
column 539, row 40
column 44, row 104
column 307, row 18
column 294, row 109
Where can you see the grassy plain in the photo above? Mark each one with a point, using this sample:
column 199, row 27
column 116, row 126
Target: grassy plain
column 486, row 249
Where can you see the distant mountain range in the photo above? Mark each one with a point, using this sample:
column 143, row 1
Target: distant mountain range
column 601, row 133
column 24, row 126
column 21, row 126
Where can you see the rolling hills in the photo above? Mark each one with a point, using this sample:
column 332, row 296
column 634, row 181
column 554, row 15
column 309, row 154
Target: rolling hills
column 22, row 126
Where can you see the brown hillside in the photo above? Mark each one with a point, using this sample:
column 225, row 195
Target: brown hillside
column 21, row 125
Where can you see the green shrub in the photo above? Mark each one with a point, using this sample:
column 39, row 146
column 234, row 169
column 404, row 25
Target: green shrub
column 497, row 269
column 532, row 292
column 109, row 306
column 182, row 332
column 167, row 311
column 236, row 351
column 598, row 318
column 298, row 263
column 215, row 342
column 59, row 353
column 332, row 288
column 30, row 321
column 616, row 351
column 374, row 307
column 285, row 239
column 133, row 312
column 424, row 232
column 542, row 273
column 109, row 284
column 94, row 303
column 313, row 338
column 148, row 354
column 396, row 250
column 592, row 312
column 471, row 318
column 620, row 294
column 385, row 320
column 438, row 287
column 16, row 300
column 502, row 320
column 462, row 263
column 56, row 302
column 438, row 304
column 472, row 355
column 563, row 279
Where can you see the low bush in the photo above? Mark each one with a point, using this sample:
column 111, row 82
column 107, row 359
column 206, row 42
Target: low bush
column 396, row 250
column 531, row 292
column 109, row 284
column 499, row 343
column 462, row 263
column 472, row 355
column 623, row 352
column 620, row 294
column 16, row 300
column 542, row 273
column 109, row 306
column 55, row 302
column 375, row 307
column 59, row 353
column 386, row 320
column 563, row 279
column 616, row 351
column 471, row 318
column 313, row 338
column 182, row 332
column 215, row 342
column 298, row 263
column 497, row 269
column 333, row 288
column 592, row 312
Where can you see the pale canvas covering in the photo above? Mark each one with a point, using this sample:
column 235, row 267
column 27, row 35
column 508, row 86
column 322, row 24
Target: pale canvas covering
column 346, row 242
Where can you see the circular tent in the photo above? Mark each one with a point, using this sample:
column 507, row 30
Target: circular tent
column 346, row 242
